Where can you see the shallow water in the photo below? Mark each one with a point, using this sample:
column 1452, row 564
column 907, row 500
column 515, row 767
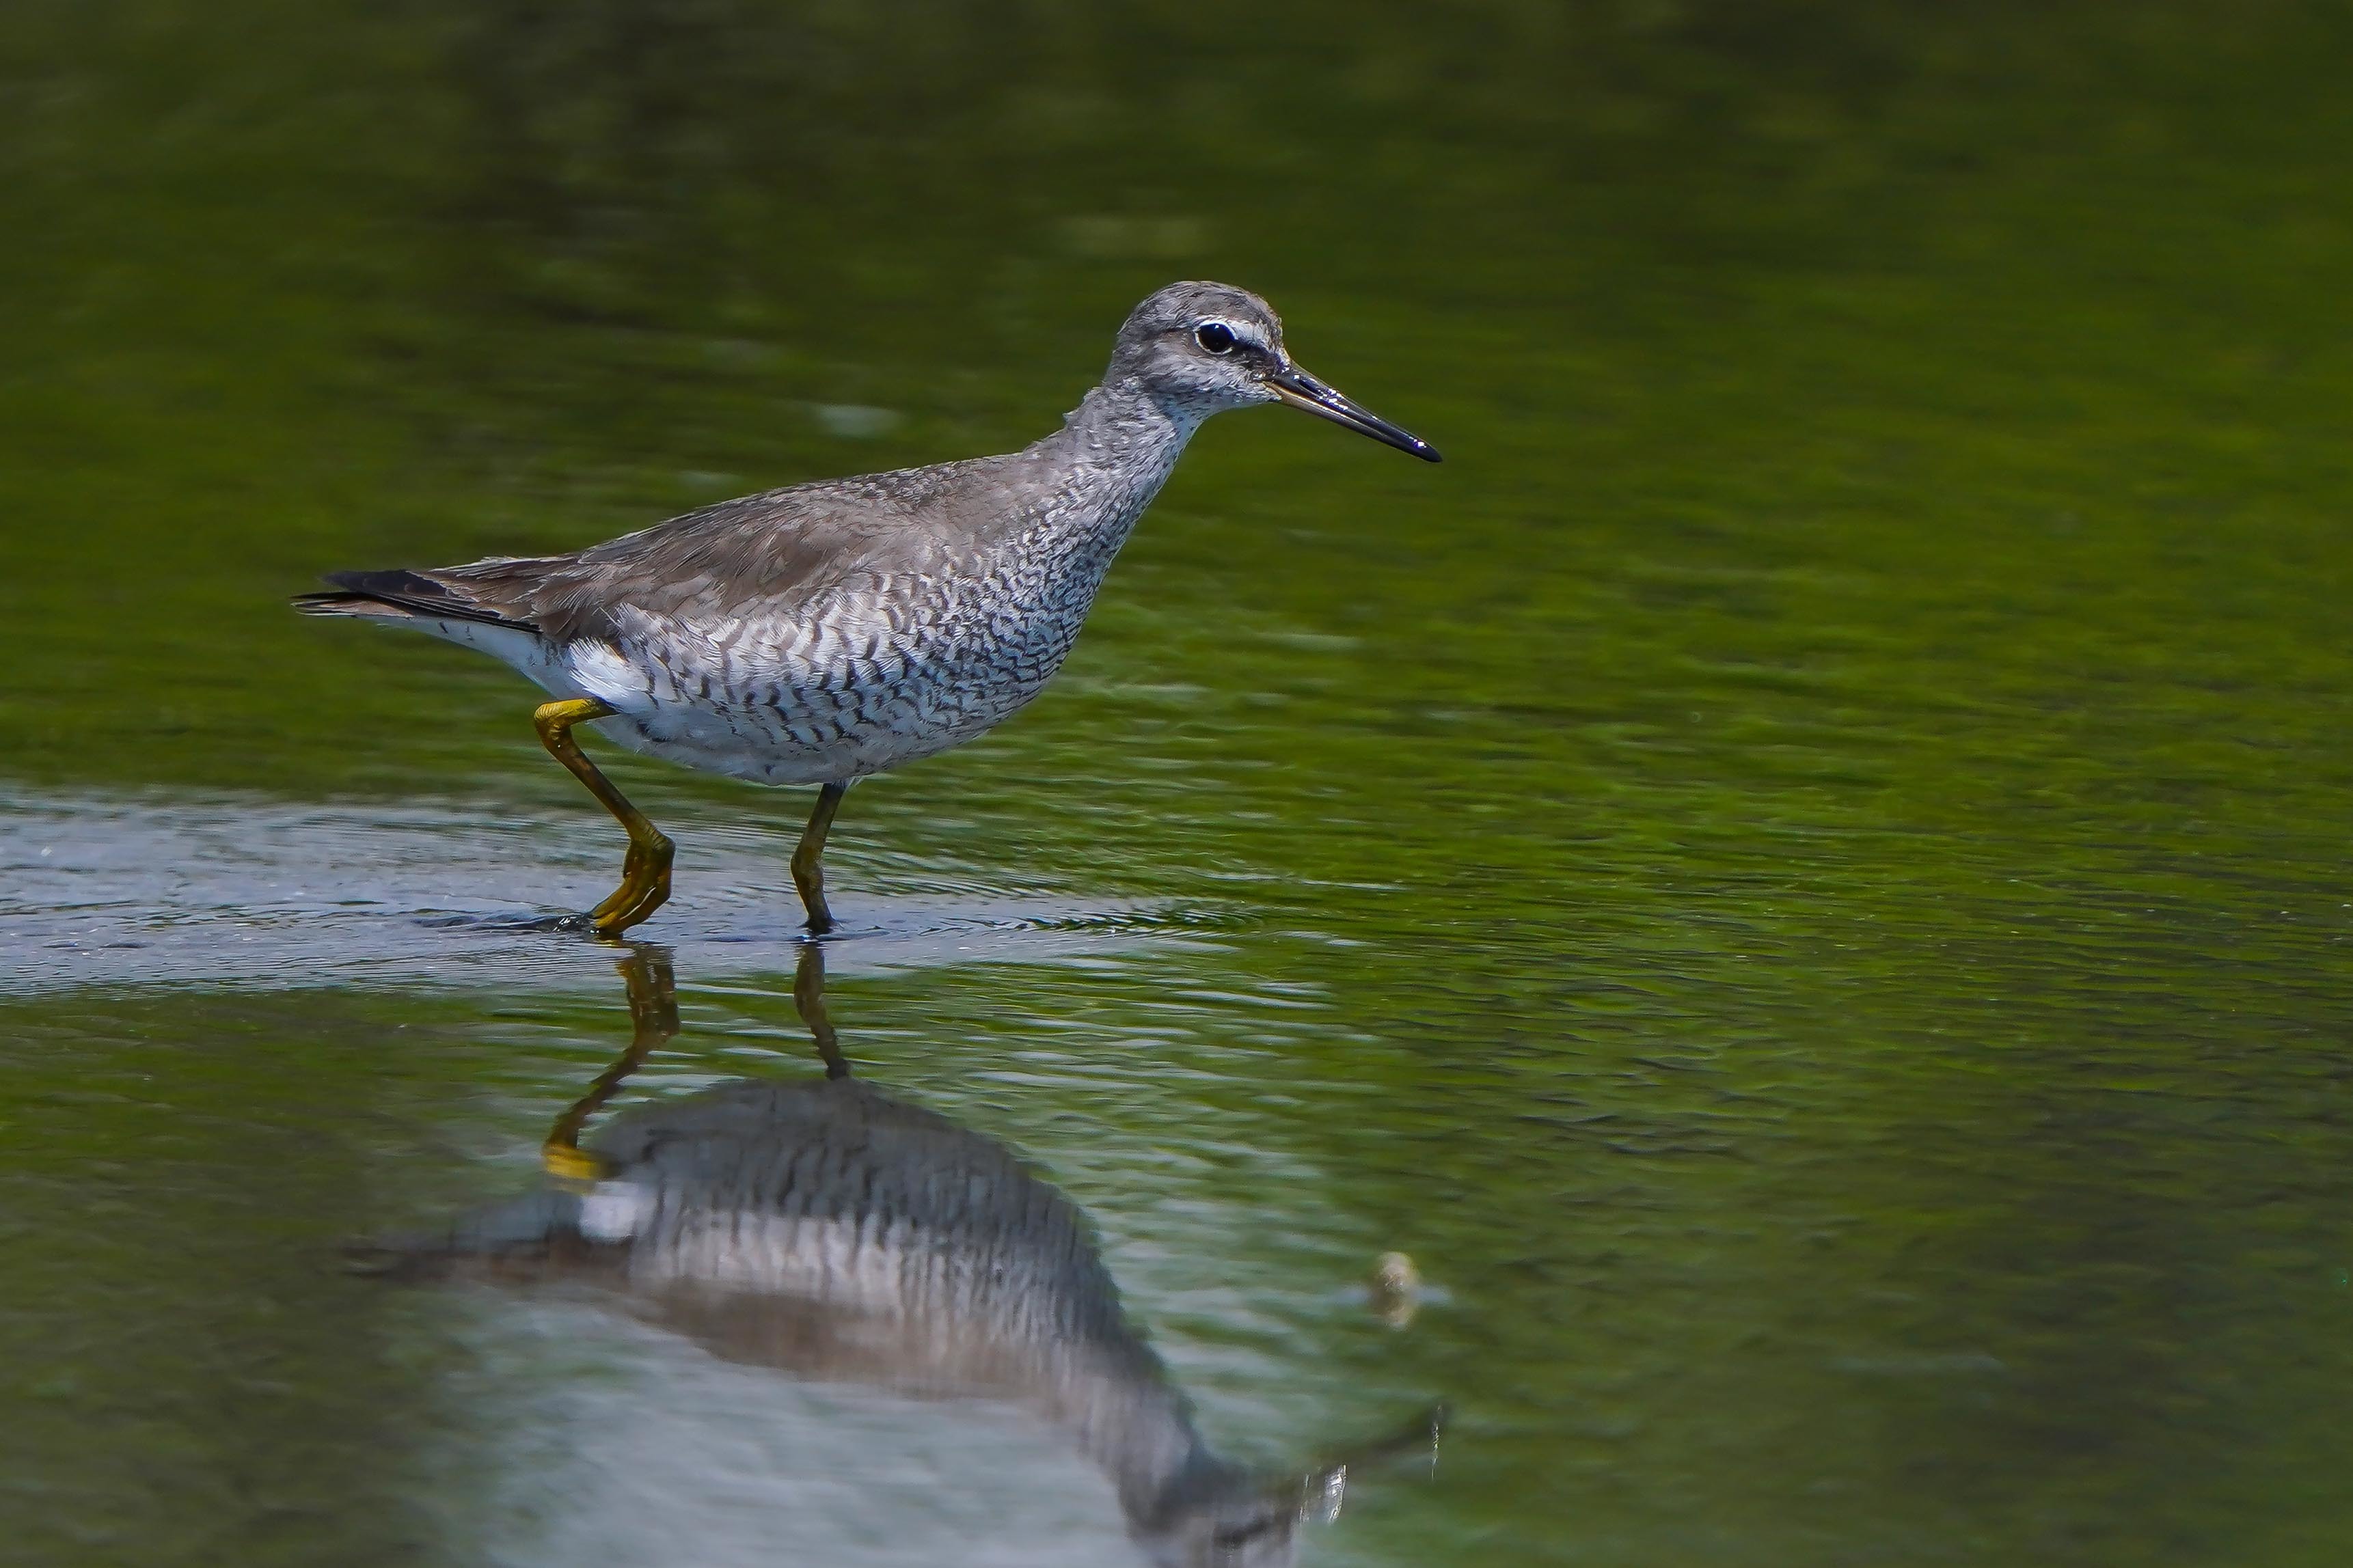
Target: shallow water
column 1800, row 875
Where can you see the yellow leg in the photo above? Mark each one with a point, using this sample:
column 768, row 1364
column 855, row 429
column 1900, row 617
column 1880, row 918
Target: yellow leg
column 653, row 1018
column 808, row 873
column 645, row 870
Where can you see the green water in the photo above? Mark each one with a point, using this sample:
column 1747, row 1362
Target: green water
column 1801, row 874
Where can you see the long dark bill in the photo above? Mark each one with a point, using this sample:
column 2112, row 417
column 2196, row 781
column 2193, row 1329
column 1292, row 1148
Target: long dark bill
column 1301, row 390
column 1321, row 1490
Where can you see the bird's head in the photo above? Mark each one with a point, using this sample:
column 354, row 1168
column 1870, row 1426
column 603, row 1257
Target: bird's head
column 1202, row 347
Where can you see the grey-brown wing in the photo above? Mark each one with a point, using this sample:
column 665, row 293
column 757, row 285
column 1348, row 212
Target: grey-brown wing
column 776, row 550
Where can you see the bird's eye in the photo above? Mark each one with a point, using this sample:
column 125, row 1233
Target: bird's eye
column 1214, row 336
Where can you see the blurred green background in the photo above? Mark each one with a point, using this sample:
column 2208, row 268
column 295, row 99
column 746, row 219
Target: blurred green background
column 1800, row 874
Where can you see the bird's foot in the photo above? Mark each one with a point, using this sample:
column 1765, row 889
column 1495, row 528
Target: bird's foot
column 570, row 1163
column 645, row 886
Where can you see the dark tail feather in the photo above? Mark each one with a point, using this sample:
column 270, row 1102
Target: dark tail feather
column 535, row 1235
column 344, row 604
column 398, row 592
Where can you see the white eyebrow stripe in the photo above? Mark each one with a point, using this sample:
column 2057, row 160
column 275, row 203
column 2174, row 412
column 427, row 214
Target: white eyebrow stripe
column 1244, row 331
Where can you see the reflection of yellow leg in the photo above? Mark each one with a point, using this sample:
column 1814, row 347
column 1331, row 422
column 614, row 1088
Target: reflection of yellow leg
column 653, row 1018
column 645, row 871
column 808, row 999
column 808, row 870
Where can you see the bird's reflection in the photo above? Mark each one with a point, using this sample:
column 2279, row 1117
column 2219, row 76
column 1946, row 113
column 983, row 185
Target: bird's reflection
column 823, row 1226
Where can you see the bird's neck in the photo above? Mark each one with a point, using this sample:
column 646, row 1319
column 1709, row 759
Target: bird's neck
column 1133, row 1425
column 1117, row 449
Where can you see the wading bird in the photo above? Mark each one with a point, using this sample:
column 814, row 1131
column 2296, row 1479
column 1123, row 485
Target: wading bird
column 830, row 631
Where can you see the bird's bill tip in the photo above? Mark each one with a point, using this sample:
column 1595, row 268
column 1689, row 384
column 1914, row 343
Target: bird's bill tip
column 1301, row 390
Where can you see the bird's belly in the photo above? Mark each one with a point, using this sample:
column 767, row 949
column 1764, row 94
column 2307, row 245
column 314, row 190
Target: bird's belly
column 787, row 743
column 840, row 709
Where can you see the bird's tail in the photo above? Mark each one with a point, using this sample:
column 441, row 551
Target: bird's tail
column 349, row 604
column 400, row 595
column 538, row 1234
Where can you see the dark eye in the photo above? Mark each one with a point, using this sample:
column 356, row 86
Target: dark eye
column 1214, row 336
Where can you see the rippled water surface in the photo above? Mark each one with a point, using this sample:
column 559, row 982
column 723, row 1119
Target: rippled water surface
column 1800, row 875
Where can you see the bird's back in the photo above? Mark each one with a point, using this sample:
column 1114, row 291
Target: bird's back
column 770, row 555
